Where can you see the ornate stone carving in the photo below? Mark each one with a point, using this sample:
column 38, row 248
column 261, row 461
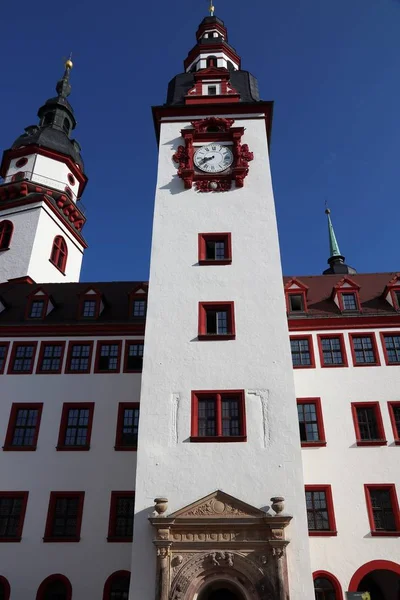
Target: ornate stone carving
column 206, row 185
column 221, row 558
column 278, row 504
column 163, row 534
column 278, row 552
column 217, row 124
column 161, row 505
column 217, row 507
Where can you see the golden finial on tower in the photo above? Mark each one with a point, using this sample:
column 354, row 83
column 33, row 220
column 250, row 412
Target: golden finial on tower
column 68, row 63
column 212, row 8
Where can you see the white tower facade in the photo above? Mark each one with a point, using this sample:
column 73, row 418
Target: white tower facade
column 217, row 407
column 43, row 179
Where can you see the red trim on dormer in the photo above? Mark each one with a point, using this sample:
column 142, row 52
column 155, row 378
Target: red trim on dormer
column 391, row 288
column 351, row 288
column 8, row 156
column 85, row 296
column 300, row 289
column 36, row 297
column 137, row 294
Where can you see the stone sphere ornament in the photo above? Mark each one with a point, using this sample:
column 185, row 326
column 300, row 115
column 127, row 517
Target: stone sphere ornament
column 213, row 185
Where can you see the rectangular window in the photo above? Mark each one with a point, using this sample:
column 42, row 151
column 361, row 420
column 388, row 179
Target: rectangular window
column 368, row 424
column 349, row 301
column 22, row 358
column 296, row 303
column 215, row 249
column 64, row 517
column 50, row 358
column 212, row 90
column 76, row 426
column 12, row 515
column 391, row 348
column 122, row 510
column 310, row 422
column 127, row 426
column 302, row 352
column 79, row 357
column 23, row 427
column 332, row 351
column 218, row 416
column 3, row 356
column 108, row 357
column 383, row 509
column 320, row 513
column 364, row 350
column 216, row 321
column 89, row 309
column 37, row 309
column 139, row 308
column 133, row 357
column 394, row 413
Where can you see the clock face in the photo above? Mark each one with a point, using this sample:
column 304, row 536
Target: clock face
column 213, row 158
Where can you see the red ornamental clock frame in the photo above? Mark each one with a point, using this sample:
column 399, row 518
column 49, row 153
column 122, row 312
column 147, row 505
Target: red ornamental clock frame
column 213, row 129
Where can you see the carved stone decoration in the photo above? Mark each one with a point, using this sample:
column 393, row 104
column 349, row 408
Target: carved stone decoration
column 161, row 505
column 221, row 558
column 278, row 504
column 203, row 131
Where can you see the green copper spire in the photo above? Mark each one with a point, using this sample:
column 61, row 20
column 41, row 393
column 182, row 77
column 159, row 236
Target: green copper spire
column 333, row 244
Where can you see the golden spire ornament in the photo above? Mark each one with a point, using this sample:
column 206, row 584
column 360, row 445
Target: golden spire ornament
column 68, row 63
column 211, row 8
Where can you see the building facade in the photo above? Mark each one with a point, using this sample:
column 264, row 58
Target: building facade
column 265, row 463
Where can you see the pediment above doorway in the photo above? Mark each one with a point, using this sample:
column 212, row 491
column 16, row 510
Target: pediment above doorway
column 218, row 505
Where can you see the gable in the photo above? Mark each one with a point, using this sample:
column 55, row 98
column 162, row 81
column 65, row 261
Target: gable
column 218, row 505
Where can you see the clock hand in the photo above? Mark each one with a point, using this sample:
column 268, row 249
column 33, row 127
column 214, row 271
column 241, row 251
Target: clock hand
column 207, row 158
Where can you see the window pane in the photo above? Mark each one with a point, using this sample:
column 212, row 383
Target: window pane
column 392, row 343
column 51, row 359
column 65, row 518
column 308, row 422
column 396, row 418
column 23, row 358
column 25, row 427
column 37, row 309
column 230, row 417
column 76, row 432
column 367, row 423
column 300, row 352
column 206, row 418
column 89, row 308
column 382, row 510
column 80, row 357
column 139, row 308
column 130, row 424
column 296, row 302
column 3, row 350
column 124, row 513
column 363, row 350
column 108, row 359
column 332, row 352
column 349, row 301
column 10, row 513
column 135, row 357
column 317, row 512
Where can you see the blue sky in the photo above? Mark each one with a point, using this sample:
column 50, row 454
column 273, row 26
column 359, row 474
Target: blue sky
column 331, row 66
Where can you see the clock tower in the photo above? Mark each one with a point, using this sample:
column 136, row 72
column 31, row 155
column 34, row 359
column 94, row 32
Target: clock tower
column 220, row 503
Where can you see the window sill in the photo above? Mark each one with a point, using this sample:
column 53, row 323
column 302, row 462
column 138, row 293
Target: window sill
column 226, row 261
column 19, row 448
column 68, row 372
column 393, row 364
column 4, row 249
column 132, row 370
column 125, row 448
column 19, row 372
column 49, row 372
column 385, row 533
column 125, row 540
column 318, row 444
column 375, row 364
column 371, row 443
column 10, row 540
column 336, row 366
column 218, row 439
column 212, row 336
column 72, row 448
column 107, row 372
column 58, row 268
column 322, row 533
column 68, row 540
column 303, row 366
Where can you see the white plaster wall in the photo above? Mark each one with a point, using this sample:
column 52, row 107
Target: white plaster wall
column 35, row 227
column 15, row 261
column 45, row 171
column 258, row 360
column 347, row 467
column 98, row 471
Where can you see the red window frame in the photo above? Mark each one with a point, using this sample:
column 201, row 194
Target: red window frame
column 112, row 537
column 129, row 343
column 99, row 346
column 329, row 508
column 393, row 289
column 59, row 253
column 327, row 336
column 381, row 441
column 137, row 295
column 49, row 580
column 14, row 349
column 6, row 587
column 71, row 344
column 24, row 497
column 43, row 346
column 383, row 335
column 203, row 238
column 222, row 306
column 95, row 297
column 320, row 423
column 54, row 496
column 332, row 579
column 6, row 233
column 5, row 345
column 36, row 297
column 356, row 295
column 122, row 406
column 294, row 287
column 391, row 487
column 15, row 407
column 374, row 347
column 310, row 349
column 110, row 580
column 67, row 406
column 218, row 394
column 396, row 433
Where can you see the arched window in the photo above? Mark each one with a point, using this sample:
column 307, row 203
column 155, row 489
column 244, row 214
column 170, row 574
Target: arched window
column 6, row 231
column 48, row 118
column 55, row 587
column 211, row 61
column 66, row 126
column 4, row 589
column 117, row 586
column 326, row 586
column 59, row 253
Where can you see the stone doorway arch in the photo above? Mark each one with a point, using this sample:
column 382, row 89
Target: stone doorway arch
column 221, row 589
column 379, row 577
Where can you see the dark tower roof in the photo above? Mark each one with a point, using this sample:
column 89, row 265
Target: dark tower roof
column 336, row 263
column 57, row 121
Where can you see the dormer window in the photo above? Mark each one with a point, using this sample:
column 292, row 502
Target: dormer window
column 346, row 295
column 138, row 303
column 295, row 292
column 37, row 309
column 212, row 90
column 296, row 303
column 89, row 309
column 90, row 305
column 39, row 305
column 139, row 308
column 349, row 300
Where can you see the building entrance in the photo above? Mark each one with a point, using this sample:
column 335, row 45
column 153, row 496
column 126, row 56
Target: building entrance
column 381, row 584
column 220, row 591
